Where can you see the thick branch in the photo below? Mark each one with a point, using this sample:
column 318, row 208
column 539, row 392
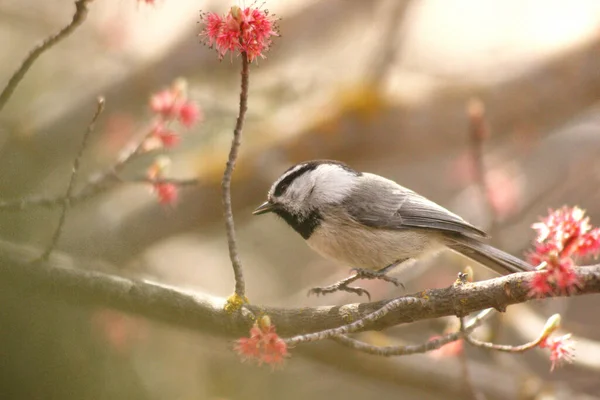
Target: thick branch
column 73, row 280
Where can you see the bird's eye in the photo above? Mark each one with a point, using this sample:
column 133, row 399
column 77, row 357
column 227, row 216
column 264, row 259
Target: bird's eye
column 281, row 188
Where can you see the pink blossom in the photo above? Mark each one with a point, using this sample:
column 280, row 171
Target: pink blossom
column 165, row 103
column 167, row 137
column 214, row 24
column 540, row 285
column 189, row 114
column 263, row 345
column 561, row 349
column 569, row 231
column 247, row 30
column 170, row 104
column 166, row 192
column 566, row 233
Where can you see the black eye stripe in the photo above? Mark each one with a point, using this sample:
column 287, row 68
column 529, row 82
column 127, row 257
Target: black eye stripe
column 287, row 181
column 308, row 166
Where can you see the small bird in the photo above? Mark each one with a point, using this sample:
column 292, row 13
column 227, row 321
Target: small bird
column 372, row 223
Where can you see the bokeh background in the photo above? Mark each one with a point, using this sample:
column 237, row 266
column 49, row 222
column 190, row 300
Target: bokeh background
column 380, row 84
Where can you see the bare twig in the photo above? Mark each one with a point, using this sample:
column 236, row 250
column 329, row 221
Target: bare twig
column 479, row 131
column 357, row 325
column 424, row 347
column 66, row 203
column 78, row 18
column 504, row 347
column 175, row 181
column 236, row 263
column 58, row 278
column 98, row 184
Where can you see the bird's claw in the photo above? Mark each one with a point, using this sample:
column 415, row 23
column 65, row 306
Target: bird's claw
column 339, row 287
column 362, row 273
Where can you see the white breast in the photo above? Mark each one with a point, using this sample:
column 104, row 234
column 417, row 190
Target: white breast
column 358, row 246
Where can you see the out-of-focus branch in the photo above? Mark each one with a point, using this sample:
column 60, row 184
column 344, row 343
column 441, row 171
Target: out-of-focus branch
column 65, row 278
column 66, row 201
column 81, row 11
column 479, row 131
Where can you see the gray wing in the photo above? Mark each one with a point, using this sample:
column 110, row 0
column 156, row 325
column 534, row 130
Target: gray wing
column 381, row 203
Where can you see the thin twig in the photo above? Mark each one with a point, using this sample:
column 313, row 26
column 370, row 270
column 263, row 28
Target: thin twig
column 75, row 170
column 236, row 263
column 179, row 182
column 505, row 347
column 95, row 186
column 433, row 344
column 354, row 326
column 78, row 18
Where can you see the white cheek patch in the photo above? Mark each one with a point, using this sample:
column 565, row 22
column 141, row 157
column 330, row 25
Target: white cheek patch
column 326, row 184
column 332, row 184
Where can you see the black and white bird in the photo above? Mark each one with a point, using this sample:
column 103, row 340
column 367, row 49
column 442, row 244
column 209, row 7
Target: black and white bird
column 366, row 221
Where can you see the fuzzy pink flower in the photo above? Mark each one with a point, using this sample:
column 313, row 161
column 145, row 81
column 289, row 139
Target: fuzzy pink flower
column 566, row 233
column 569, row 231
column 166, row 192
column 189, row 114
column 167, row 137
column 263, row 345
column 540, row 285
column 561, row 349
column 165, row 103
column 214, row 24
column 172, row 104
column 247, row 30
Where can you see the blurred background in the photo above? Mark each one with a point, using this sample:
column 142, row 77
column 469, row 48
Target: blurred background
column 382, row 85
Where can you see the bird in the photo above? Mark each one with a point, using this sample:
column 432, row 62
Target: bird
column 372, row 223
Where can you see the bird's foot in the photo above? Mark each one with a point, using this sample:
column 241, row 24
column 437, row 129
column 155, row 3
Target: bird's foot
column 359, row 273
column 379, row 274
column 341, row 286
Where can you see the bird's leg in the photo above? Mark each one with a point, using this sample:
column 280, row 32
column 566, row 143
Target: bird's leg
column 359, row 273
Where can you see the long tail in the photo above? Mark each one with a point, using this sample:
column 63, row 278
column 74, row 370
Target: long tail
column 489, row 256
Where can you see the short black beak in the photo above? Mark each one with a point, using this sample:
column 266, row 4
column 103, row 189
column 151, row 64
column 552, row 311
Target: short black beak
column 263, row 208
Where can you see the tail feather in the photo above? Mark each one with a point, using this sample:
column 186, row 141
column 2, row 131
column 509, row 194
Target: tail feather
column 489, row 256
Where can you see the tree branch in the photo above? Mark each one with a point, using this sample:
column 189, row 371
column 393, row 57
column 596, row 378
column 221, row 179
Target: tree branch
column 78, row 18
column 73, row 280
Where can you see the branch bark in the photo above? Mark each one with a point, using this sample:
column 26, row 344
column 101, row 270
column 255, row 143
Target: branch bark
column 81, row 282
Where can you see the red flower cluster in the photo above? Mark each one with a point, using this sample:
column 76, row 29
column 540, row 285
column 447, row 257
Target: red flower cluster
column 563, row 235
column 166, row 192
column 263, row 345
column 247, row 30
column 169, row 106
column 561, row 349
column 172, row 104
